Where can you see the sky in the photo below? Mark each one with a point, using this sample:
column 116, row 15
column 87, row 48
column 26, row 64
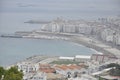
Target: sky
column 60, row 6
column 13, row 13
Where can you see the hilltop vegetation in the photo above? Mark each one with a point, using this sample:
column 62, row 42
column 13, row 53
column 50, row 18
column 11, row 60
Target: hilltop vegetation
column 116, row 70
column 10, row 74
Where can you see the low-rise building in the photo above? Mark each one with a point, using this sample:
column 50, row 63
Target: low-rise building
column 66, row 58
column 35, row 76
column 27, row 67
column 46, row 68
column 53, row 76
column 82, row 58
column 67, row 69
column 39, row 76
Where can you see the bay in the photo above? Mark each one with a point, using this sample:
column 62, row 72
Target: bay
column 16, row 49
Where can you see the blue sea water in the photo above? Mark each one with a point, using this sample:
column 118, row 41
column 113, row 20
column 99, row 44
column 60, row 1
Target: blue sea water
column 16, row 49
column 13, row 14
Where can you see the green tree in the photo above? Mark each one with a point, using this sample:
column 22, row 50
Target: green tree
column 113, row 65
column 2, row 71
column 101, row 78
column 13, row 74
column 116, row 70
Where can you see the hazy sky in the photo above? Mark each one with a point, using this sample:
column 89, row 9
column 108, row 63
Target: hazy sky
column 23, row 10
column 61, row 6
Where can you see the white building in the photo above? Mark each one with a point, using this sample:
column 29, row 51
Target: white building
column 27, row 67
column 82, row 58
column 35, row 76
column 46, row 27
column 66, row 58
column 117, row 39
column 39, row 76
column 110, row 35
column 55, row 27
column 69, row 28
column 107, row 35
column 84, row 29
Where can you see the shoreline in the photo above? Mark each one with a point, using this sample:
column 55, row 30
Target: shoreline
column 96, row 45
column 84, row 41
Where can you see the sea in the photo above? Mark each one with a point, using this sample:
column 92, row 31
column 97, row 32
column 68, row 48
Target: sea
column 17, row 49
column 13, row 14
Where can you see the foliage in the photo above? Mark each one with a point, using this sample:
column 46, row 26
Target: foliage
column 113, row 65
column 2, row 71
column 101, row 78
column 11, row 74
column 116, row 70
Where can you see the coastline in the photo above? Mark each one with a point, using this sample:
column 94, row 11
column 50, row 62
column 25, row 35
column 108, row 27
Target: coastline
column 97, row 46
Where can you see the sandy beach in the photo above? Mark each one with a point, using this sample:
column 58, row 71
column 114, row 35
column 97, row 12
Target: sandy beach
column 88, row 42
column 97, row 45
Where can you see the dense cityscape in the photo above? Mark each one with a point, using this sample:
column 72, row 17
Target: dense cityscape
column 105, row 29
column 102, row 35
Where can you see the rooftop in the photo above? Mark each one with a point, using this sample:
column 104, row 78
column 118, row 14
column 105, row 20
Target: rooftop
column 82, row 56
column 71, row 58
